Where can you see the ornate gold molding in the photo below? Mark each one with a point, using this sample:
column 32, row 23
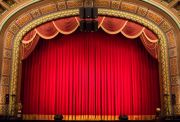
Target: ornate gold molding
column 164, row 69
column 168, row 10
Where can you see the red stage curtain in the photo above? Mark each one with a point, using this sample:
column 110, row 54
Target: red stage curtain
column 78, row 74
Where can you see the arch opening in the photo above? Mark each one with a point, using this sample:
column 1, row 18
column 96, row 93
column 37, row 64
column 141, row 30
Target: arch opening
column 91, row 73
column 164, row 82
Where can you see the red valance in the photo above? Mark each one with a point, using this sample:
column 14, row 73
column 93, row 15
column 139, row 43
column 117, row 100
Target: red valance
column 110, row 25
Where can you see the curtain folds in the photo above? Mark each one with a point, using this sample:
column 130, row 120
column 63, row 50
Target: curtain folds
column 110, row 25
column 80, row 76
column 28, row 46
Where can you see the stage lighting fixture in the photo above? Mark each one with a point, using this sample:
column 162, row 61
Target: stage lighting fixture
column 88, row 12
column 88, row 25
column 158, row 114
column 82, row 25
column 94, row 25
column 58, row 117
column 88, row 22
column 123, row 117
column 94, row 13
column 82, row 12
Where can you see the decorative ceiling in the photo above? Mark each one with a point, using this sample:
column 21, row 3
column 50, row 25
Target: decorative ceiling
column 5, row 5
column 172, row 5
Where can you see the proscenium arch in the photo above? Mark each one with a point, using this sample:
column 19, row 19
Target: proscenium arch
column 163, row 62
column 170, row 14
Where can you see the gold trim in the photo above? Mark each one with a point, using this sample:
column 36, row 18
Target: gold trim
column 101, row 22
column 66, row 33
column 114, row 32
column 46, row 37
column 135, row 36
column 27, row 42
column 153, row 41
column 164, row 69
